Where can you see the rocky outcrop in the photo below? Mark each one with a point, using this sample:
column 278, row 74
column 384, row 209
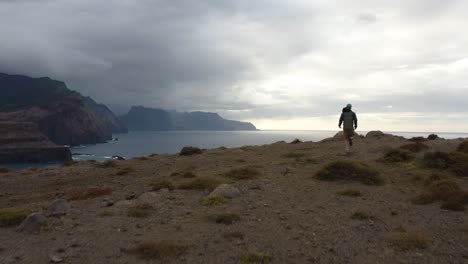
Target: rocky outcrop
column 143, row 118
column 23, row 142
column 61, row 114
column 114, row 124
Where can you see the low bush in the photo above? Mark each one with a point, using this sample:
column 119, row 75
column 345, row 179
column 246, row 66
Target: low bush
column 463, row 147
column 407, row 241
column 69, row 163
column 350, row 192
column 432, row 137
column 4, row 170
column 344, row 170
column 451, row 195
column 162, row 184
column 125, row 170
column 256, row 258
column 157, row 250
column 415, row 147
column 458, row 163
column 139, row 210
column 189, row 150
column 417, row 139
column 296, row 141
column 397, row 155
column 13, row 216
column 90, row 193
column 246, row 173
column 213, row 200
column 436, row 160
column 199, row 183
column 225, row 218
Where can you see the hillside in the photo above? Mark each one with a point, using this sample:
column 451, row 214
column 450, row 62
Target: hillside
column 143, row 118
column 65, row 116
column 391, row 201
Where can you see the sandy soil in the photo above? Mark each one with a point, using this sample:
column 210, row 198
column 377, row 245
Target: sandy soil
column 285, row 212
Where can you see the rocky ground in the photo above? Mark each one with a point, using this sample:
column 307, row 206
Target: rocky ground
column 279, row 206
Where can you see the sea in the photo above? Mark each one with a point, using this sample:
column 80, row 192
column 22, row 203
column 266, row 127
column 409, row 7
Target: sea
column 142, row 143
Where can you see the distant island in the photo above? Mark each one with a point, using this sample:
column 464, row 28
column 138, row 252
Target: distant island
column 153, row 119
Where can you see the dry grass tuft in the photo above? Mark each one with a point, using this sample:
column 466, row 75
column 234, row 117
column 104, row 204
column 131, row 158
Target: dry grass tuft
column 214, row 200
column 107, row 164
column 407, row 241
column 13, row 216
column 125, row 170
column 452, row 196
column 90, row 193
column 225, row 218
column 4, row 170
column 463, row 147
column 162, row 184
column 359, row 215
column 344, row 170
column 199, row 183
column 415, row 147
column 458, row 163
column 189, row 150
column 246, row 173
column 397, row 155
column 157, row 250
column 256, row 258
column 139, row 210
column 437, row 160
column 350, row 192
column 142, row 158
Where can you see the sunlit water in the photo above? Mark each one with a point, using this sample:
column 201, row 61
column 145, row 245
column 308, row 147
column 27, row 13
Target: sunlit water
column 136, row 144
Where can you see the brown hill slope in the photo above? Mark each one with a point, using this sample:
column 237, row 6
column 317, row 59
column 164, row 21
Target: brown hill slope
column 283, row 212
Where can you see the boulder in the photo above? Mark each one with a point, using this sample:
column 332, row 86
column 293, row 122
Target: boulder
column 375, row 134
column 226, row 190
column 34, row 223
column 58, row 208
column 148, row 197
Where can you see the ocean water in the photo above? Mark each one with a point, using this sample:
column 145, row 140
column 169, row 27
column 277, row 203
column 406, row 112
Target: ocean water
column 141, row 143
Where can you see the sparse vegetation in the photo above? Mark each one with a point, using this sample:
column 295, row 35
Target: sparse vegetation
column 415, row 147
column 407, row 241
column 452, row 196
column 349, row 171
column 125, row 170
column 296, row 141
column 4, row 170
column 436, row 160
column 432, row 137
column 256, row 258
column 359, row 215
column 463, row 147
column 90, row 193
column 294, row 155
column 434, row 177
column 142, row 158
column 458, row 163
column 397, row 155
column 157, row 250
column 225, row 218
column 350, row 192
column 199, row 183
column 214, row 200
column 107, row 164
column 69, row 163
column 417, row 139
column 13, row 216
column 246, row 173
column 189, row 150
column 139, row 210
column 162, row 184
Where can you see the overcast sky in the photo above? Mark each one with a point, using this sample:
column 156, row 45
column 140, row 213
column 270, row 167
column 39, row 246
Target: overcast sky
column 282, row 64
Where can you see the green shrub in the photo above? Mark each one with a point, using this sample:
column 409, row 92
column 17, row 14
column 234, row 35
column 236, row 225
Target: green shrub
column 162, row 184
column 344, row 170
column 432, row 137
column 397, row 155
column 463, row 147
column 452, row 196
column 199, row 183
column 157, row 250
column 13, row 216
column 296, row 141
column 417, row 139
column 458, row 163
column 256, row 258
column 243, row 173
column 415, row 147
column 189, row 150
column 213, row 200
column 436, row 160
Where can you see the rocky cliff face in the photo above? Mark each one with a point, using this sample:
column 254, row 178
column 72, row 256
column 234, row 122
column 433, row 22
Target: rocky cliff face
column 23, row 142
column 114, row 124
column 142, row 118
column 61, row 114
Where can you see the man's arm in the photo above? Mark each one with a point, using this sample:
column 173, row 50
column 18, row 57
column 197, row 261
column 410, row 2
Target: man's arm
column 341, row 120
column 355, row 120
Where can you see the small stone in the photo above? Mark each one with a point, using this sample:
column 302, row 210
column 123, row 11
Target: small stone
column 107, row 203
column 34, row 223
column 227, row 191
column 55, row 259
column 58, row 208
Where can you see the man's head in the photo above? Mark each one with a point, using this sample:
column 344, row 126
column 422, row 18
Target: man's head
column 349, row 106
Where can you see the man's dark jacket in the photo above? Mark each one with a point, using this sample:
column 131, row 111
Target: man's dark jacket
column 348, row 117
